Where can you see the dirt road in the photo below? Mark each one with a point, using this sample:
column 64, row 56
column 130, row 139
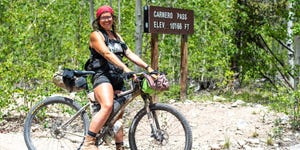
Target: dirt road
column 214, row 125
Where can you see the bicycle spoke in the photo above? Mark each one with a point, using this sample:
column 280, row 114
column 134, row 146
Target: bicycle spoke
column 46, row 128
column 171, row 130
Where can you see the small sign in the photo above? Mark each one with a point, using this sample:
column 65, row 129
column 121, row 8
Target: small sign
column 168, row 20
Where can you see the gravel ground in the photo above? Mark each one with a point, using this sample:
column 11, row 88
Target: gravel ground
column 214, row 125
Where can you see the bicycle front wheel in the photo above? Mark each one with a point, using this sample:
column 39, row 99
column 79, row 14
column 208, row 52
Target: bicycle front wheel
column 169, row 130
column 44, row 130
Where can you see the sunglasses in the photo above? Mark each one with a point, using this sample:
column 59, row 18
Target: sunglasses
column 106, row 18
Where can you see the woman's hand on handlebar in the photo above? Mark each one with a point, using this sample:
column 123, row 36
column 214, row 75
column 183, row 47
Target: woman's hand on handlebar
column 152, row 72
column 129, row 75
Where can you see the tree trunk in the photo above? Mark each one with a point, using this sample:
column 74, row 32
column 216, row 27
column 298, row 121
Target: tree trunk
column 91, row 12
column 235, row 58
column 119, row 15
column 138, row 30
column 289, row 43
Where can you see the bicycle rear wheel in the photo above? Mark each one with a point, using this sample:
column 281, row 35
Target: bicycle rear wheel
column 43, row 125
column 173, row 130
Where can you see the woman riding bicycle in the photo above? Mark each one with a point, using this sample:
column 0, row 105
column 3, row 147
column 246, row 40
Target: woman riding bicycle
column 107, row 50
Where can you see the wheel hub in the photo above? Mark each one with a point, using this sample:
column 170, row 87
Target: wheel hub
column 161, row 138
column 56, row 131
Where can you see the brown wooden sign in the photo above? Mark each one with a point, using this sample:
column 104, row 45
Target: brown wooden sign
column 168, row 20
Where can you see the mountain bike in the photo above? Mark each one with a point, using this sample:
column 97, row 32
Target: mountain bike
column 60, row 122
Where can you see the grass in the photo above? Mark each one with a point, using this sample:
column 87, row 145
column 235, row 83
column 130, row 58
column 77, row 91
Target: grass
column 227, row 143
column 255, row 134
column 270, row 141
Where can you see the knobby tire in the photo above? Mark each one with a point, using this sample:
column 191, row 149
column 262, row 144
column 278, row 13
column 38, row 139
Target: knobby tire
column 172, row 124
column 44, row 119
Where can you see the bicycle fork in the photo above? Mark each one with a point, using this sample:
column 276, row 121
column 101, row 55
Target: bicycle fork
column 156, row 131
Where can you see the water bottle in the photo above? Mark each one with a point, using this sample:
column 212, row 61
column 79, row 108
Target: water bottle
column 109, row 136
column 117, row 104
column 117, row 126
column 91, row 97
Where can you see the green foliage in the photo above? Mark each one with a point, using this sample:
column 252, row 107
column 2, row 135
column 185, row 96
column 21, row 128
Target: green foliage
column 39, row 36
column 173, row 92
column 278, row 130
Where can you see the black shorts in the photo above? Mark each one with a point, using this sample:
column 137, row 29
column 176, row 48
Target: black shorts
column 116, row 80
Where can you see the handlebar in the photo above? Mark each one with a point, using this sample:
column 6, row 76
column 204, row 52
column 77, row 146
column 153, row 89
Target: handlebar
column 129, row 75
column 126, row 76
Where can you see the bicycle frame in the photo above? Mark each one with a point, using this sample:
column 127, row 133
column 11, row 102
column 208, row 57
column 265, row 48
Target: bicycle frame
column 155, row 121
column 130, row 95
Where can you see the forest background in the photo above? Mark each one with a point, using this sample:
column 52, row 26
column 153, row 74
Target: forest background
column 239, row 49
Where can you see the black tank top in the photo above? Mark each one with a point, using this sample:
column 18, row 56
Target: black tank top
column 115, row 46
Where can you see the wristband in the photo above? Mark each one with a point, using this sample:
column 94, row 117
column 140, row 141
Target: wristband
column 146, row 68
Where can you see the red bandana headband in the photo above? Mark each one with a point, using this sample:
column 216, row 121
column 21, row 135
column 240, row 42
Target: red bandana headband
column 103, row 9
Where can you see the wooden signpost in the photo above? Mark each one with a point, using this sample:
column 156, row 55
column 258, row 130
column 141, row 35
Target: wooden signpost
column 170, row 21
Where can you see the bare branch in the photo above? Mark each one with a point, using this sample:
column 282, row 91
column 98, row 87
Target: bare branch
column 284, row 45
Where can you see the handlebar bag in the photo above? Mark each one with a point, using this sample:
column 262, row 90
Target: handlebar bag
column 150, row 84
